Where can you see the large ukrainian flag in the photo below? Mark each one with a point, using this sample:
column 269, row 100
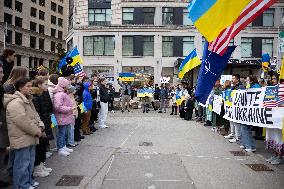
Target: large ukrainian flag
column 211, row 17
column 126, row 77
column 73, row 56
column 190, row 62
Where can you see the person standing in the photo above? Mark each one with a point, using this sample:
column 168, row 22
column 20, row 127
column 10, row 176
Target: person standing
column 104, row 99
column 24, row 129
column 63, row 110
column 88, row 103
column 7, row 60
column 125, row 94
column 163, row 96
column 111, row 93
column 16, row 74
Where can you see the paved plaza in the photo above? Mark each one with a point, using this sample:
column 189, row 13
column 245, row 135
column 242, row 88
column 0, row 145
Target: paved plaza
column 159, row 151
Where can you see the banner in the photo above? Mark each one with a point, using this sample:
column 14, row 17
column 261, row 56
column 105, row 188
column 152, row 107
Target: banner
column 247, row 108
column 217, row 104
column 141, row 93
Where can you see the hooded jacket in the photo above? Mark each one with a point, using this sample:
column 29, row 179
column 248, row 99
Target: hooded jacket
column 63, row 106
column 4, row 139
column 44, row 108
column 87, row 97
column 7, row 68
column 22, row 120
column 50, row 89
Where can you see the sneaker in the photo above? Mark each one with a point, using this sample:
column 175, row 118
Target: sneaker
column 46, row 169
column 242, row 147
column 68, row 149
column 39, row 172
column 105, row 126
column 271, row 159
column 63, row 152
column 36, row 184
column 172, row 114
column 233, row 140
column 160, row 112
column 229, row 136
column 48, row 154
column 128, row 110
column 250, row 150
column 31, row 187
column 112, row 111
column 276, row 161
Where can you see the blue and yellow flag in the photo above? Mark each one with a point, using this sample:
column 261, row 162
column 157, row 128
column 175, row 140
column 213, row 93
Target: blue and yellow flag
column 53, row 121
column 281, row 74
column 126, row 76
column 211, row 17
column 190, row 62
column 72, row 58
column 83, row 108
column 265, row 62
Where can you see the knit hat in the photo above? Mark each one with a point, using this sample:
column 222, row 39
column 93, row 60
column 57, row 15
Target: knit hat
column 62, row 82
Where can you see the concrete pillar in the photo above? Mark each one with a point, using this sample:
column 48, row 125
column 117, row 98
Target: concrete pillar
column 158, row 16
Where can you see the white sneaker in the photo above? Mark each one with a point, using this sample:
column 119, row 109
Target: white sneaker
column 229, row 136
column 46, row 169
column 271, row 159
column 36, row 184
column 31, row 187
column 250, row 150
column 68, row 149
column 62, row 152
column 112, row 111
column 242, row 147
column 48, row 154
column 106, row 126
column 39, row 172
column 276, row 161
column 233, row 140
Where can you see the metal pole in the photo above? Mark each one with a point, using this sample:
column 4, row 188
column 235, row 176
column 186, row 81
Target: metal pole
column 278, row 51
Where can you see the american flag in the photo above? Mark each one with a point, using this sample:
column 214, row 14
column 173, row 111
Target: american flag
column 270, row 97
column 78, row 70
column 250, row 12
column 280, row 95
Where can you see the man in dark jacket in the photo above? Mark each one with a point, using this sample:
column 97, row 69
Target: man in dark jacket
column 163, row 97
column 7, row 60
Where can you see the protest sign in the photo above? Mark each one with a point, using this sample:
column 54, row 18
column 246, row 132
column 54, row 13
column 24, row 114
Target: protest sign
column 224, row 78
column 217, row 104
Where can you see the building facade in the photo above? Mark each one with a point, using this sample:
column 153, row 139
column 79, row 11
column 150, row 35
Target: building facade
column 150, row 36
column 33, row 28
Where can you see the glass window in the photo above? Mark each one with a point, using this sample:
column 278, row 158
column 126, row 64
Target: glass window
column 88, row 46
column 268, row 17
column 18, row 22
column 60, row 22
column 53, row 6
column 30, row 62
column 60, row 34
column 32, row 42
column 9, row 37
column 149, row 15
column 127, row 46
column 148, row 46
column 98, row 46
column 246, row 46
column 127, row 15
column 53, row 19
column 33, row 26
column 186, row 20
column 41, row 29
column 40, row 62
column 99, row 16
column 282, row 15
column 19, row 60
column 168, row 46
column 8, row 3
column 60, row 9
column 188, row 45
column 41, row 44
column 109, row 46
column 18, row 6
column 168, row 16
column 42, row 3
column 41, row 15
column 8, row 18
column 53, row 32
column 52, row 46
column 70, row 44
column 18, row 38
column 267, row 46
column 33, row 12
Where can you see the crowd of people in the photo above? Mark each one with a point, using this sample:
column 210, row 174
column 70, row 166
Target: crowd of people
column 51, row 113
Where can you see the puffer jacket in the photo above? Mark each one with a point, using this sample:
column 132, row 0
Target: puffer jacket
column 4, row 139
column 22, row 120
column 87, row 97
column 44, row 108
column 50, row 89
column 63, row 106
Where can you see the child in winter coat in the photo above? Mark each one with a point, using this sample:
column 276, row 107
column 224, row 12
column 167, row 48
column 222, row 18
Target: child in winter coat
column 88, row 103
column 63, row 110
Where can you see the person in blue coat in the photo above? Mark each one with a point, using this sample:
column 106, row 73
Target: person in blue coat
column 88, row 103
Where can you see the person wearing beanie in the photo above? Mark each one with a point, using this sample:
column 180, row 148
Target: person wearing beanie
column 63, row 110
column 88, row 103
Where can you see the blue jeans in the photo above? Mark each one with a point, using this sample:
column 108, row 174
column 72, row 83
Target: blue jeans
column 23, row 167
column 61, row 141
column 70, row 134
column 246, row 137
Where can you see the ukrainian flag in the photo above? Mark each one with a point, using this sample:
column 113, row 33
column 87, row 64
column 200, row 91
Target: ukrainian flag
column 265, row 62
column 126, row 77
column 281, row 74
column 72, row 58
column 53, row 121
column 83, row 108
column 211, row 17
column 190, row 62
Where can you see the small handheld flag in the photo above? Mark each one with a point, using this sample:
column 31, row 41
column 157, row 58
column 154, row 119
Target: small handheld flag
column 53, row 121
column 190, row 62
column 83, row 108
